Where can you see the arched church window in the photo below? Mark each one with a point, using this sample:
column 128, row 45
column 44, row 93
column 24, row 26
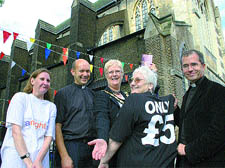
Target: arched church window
column 110, row 34
column 144, row 13
column 105, row 37
column 138, row 19
column 152, row 7
column 141, row 13
column 206, row 11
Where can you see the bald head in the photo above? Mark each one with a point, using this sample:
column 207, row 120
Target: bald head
column 78, row 62
column 81, row 71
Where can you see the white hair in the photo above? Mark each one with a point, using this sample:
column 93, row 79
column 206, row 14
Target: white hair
column 149, row 75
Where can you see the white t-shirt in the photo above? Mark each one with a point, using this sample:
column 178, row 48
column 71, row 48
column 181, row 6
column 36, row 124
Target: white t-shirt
column 37, row 120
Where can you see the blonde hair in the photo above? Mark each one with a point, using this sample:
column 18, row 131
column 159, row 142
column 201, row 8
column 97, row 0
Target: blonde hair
column 111, row 63
column 29, row 88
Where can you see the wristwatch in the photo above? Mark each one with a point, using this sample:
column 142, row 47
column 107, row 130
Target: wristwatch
column 27, row 155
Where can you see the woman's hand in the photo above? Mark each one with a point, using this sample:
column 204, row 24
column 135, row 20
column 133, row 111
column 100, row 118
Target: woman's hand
column 37, row 164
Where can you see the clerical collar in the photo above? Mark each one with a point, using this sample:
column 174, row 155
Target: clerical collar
column 192, row 84
column 197, row 82
column 80, row 86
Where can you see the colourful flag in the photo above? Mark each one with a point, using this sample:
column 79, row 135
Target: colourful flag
column 102, row 59
column 91, row 58
column 131, row 66
column 47, row 53
column 32, row 40
column 91, row 67
column 2, row 55
column 29, row 45
column 122, row 64
column 48, row 45
column 15, row 35
column 5, row 35
column 65, row 51
column 78, row 54
column 13, row 64
column 23, row 72
column 64, row 59
column 55, row 92
column 101, row 71
column 126, row 77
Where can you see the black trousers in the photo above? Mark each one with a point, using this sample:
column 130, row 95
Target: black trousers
column 81, row 154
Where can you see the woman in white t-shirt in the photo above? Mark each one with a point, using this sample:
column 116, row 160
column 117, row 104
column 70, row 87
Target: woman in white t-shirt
column 30, row 123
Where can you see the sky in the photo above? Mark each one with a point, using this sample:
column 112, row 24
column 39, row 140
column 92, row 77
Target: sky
column 21, row 16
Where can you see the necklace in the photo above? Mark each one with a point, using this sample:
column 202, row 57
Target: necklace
column 116, row 92
column 120, row 100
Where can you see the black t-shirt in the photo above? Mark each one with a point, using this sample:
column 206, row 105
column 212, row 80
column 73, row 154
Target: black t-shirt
column 75, row 111
column 145, row 126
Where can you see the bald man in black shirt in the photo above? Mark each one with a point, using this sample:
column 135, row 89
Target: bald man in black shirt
column 74, row 121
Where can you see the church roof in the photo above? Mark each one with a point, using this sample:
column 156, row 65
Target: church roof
column 62, row 26
column 101, row 3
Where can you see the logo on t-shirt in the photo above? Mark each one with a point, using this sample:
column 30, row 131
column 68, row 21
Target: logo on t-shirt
column 35, row 124
column 155, row 135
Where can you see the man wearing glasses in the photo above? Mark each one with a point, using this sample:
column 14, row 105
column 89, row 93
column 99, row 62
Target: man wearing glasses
column 201, row 119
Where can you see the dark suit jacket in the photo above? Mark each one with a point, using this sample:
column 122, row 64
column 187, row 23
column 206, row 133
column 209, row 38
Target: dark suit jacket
column 204, row 126
column 106, row 108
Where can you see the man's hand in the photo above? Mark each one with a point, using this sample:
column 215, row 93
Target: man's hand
column 181, row 149
column 99, row 149
column 67, row 162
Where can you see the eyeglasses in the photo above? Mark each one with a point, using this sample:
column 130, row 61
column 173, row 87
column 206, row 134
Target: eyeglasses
column 135, row 80
column 187, row 66
column 116, row 72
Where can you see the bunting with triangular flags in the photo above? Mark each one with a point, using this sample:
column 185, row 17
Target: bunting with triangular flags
column 126, row 77
column 13, row 64
column 2, row 55
column 29, row 45
column 122, row 64
column 102, row 59
column 5, row 36
column 91, row 67
column 48, row 45
column 55, row 92
column 15, row 35
column 23, row 72
column 131, row 66
column 64, row 59
column 101, row 71
column 78, row 54
column 91, row 58
column 65, row 51
column 32, row 40
column 47, row 53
